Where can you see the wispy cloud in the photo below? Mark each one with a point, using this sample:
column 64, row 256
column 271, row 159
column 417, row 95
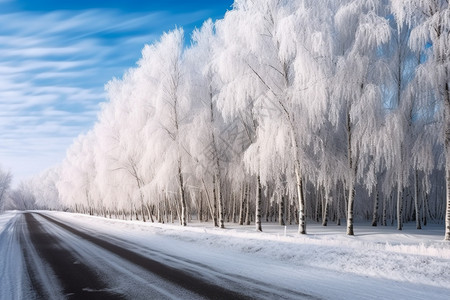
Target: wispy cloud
column 53, row 67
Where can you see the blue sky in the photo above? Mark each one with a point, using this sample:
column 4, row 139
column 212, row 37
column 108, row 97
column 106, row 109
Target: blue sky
column 56, row 57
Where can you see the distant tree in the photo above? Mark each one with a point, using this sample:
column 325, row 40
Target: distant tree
column 22, row 197
column 5, row 184
column 43, row 187
column 76, row 184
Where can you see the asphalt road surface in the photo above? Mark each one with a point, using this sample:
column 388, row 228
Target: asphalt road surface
column 63, row 262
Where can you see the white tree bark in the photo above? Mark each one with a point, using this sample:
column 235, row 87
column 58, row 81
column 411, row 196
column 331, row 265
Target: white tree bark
column 447, row 161
column 258, row 203
column 416, row 199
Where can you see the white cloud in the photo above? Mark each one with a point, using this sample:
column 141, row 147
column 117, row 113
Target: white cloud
column 53, row 67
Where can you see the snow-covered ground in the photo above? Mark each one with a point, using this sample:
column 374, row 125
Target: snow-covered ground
column 377, row 263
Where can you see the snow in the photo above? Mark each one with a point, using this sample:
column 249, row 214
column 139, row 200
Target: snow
column 11, row 262
column 379, row 262
column 5, row 218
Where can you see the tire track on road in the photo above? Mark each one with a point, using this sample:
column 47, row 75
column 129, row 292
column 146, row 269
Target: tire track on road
column 168, row 273
column 12, row 265
column 77, row 280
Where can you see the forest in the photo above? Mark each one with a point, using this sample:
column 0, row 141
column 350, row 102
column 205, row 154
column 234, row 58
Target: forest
column 283, row 111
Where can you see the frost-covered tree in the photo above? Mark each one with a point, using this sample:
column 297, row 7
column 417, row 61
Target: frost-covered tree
column 76, row 184
column 399, row 130
column 162, row 64
column 5, row 184
column 361, row 29
column 240, row 87
column 430, row 23
column 22, row 197
column 121, row 142
column 43, row 187
column 276, row 77
column 203, row 89
column 281, row 105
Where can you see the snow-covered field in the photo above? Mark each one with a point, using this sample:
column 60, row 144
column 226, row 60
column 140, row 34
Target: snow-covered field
column 377, row 263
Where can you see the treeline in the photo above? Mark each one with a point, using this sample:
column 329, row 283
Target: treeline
column 5, row 185
column 40, row 192
column 282, row 110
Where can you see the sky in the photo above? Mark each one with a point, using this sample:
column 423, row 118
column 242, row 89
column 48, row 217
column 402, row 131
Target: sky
column 57, row 56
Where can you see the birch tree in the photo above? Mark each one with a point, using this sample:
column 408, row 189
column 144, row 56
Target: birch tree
column 279, row 76
column 162, row 63
column 240, row 87
column 430, row 23
column 121, row 141
column 75, row 185
column 401, row 109
column 361, row 30
column 204, row 87
column 280, row 101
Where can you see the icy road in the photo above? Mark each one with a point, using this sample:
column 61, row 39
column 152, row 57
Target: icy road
column 50, row 255
column 60, row 261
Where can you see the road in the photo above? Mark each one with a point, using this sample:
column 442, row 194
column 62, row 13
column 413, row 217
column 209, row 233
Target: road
column 54, row 260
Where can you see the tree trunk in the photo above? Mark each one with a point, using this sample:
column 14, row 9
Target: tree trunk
column 142, row 207
column 399, row 206
column 416, row 199
column 208, row 200
column 318, row 201
column 217, row 176
column 182, row 196
column 233, row 216
column 242, row 208
column 301, row 203
column 289, row 213
column 150, row 212
column 136, row 213
column 425, row 208
column 299, row 181
column 216, row 224
column 258, row 204
column 351, row 197
column 352, row 180
column 220, row 202
column 200, row 209
column 281, row 210
column 447, row 155
column 338, row 207
column 159, row 216
column 384, row 217
column 325, row 210
column 247, row 209
column 375, row 207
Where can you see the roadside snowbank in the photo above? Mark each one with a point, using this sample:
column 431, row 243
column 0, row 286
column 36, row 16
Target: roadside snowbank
column 5, row 217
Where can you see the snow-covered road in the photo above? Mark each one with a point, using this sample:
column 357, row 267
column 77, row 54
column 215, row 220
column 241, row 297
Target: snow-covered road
column 50, row 259
column 49, row 255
